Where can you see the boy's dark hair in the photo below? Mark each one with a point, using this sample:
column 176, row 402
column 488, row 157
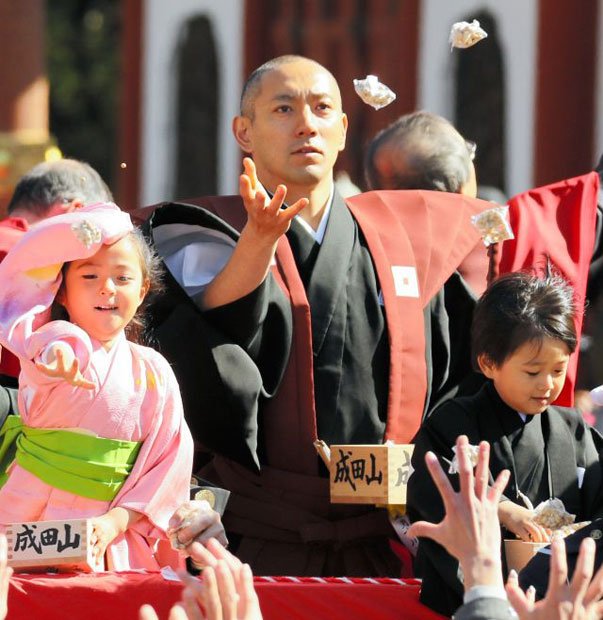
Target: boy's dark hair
column 518, row 308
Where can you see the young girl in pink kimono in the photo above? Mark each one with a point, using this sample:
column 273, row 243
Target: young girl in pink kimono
column 103, row 434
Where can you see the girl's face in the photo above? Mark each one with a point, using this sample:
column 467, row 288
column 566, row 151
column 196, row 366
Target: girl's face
column 101, row 294
column 532, row 377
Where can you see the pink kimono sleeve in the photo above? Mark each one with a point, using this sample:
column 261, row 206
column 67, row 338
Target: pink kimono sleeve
column 160, row 480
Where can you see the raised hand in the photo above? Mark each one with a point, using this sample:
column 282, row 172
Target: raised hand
column 578, row 600
column 224, row 594
column 266, row 219
column 147, row 612
column 470, row 529
column 64, row 365
column 250, row 261
column 210, row 553
column 226, row 591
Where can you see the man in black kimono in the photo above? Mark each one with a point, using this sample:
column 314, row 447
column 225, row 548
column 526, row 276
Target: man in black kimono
column 313, row 327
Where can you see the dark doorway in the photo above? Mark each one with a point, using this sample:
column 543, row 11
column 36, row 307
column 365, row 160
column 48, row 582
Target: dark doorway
column 479, row 110
column 197, row 108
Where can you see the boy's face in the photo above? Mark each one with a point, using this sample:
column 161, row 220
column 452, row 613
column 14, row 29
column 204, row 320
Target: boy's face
column 532, row 377
column 101, row 294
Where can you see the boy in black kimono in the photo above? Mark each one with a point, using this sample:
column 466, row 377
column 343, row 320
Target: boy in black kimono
column 522, row 336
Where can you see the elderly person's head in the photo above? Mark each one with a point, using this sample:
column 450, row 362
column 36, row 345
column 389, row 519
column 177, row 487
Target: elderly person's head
column 56, row 187
column 421, row 151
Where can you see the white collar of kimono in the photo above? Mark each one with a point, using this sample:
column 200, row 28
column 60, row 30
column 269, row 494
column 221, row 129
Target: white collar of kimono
column 318, row 234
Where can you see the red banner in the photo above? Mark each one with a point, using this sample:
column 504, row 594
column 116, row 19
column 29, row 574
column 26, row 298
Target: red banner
column 120, row 595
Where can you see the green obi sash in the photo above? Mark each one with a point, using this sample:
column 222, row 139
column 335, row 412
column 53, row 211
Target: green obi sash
column 85, row 465
column 9, row 432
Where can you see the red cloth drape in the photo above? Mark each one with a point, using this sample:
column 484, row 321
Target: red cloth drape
column 558, row 221
column 119, row 596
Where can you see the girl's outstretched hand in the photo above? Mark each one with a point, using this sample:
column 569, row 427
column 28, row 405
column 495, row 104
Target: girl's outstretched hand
column 63, row 364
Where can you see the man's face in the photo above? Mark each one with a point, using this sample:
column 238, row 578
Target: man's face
column 298, row 127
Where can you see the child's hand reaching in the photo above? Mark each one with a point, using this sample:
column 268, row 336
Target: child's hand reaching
column 109, row 526
column 520, row 521
column 106, row 529
column 62, row 364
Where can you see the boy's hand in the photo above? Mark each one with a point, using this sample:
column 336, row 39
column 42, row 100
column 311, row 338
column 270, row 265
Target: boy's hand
column 470, row 530
column 520, row 521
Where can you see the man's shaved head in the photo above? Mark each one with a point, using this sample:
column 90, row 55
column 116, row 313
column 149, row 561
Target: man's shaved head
column 252, row 86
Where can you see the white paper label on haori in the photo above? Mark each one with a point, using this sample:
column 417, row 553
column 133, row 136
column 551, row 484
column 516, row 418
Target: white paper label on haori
column 405, row 281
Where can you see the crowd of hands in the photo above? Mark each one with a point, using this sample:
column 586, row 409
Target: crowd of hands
column 470, row 531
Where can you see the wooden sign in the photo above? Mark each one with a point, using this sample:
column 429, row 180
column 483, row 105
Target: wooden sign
column 43, row 545
column 370, row 474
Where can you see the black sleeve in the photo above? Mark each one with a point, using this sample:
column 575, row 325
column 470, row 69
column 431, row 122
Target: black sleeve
column 589, row 451
column 242, row 319
column 595, row 271
column 222, row 382
column 227, row 360
column 260, row 323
